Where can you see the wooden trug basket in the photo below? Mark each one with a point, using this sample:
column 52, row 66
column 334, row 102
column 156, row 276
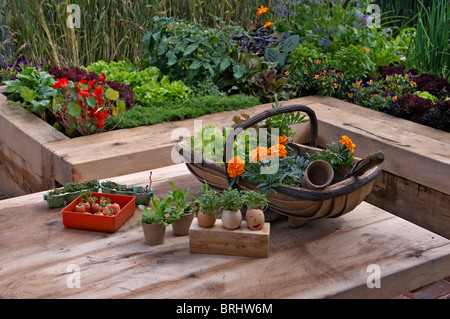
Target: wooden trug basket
column 298, row 203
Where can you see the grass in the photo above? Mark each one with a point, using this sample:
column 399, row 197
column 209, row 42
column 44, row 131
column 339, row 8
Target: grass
column 191, row 108
column 110, row 30
column 432, row 41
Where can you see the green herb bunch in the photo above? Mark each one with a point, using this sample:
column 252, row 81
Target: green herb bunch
column 255, row 200
column 209, row 201
column 232, row 199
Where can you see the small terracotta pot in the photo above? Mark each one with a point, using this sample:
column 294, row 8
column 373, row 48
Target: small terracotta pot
column 205, row 220
column 154, row 234
column 231, row 219
column 181, row 226
column 318, row 175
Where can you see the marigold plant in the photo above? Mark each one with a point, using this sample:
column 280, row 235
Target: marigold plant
column 236, row 166
column 347, row 142
column 278, row 150
column 260, row 153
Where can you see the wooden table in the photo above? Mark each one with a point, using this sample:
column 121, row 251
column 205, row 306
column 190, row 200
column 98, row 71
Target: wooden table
column 330, row 258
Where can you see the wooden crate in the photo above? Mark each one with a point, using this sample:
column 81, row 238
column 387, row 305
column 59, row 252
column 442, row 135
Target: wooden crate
column 221, row 241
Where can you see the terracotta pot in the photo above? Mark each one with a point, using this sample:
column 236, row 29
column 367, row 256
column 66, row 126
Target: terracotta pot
column 318, row 175
column 154, row 234
column 205, row 220
column 231, row 219
column 255, row 219
column 181, row 226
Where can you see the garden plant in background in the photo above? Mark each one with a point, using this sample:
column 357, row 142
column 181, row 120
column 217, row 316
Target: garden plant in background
column 200, row 59
column 83, row 108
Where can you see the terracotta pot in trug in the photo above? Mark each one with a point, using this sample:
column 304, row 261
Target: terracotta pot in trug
column 318, row 175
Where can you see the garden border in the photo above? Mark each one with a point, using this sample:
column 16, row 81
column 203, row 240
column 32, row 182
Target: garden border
column 35, row 157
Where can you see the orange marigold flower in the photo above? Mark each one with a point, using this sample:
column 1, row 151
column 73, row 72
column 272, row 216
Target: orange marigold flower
column 261, row 10
column 259, row 154
column 282, row 140
column 278, row 150
column 236, row 166
column 268, row 24
column 347, row 142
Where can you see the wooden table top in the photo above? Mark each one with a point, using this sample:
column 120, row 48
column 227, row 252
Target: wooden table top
column 329, row 258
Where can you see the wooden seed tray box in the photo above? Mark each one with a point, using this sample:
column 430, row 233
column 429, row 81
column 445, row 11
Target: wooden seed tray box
column 221, row 241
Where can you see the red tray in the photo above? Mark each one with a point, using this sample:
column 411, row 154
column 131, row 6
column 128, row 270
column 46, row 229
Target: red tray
column 100, row 223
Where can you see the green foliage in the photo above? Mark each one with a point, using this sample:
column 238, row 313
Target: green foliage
column 33, row 90
column 149, row 85
column 269, row 84
column 255, row 200
column 80, row 186
column 190, row 52
column 353, row 61
column 167, row 210
column 209, row 201
column 182, row 203
column 111, row 69
column 328, row 26
column 303, row 54
column 260, row 77
column 164, row 90
column 284, row 121
column 269, row 174
column 208, row 141
column 431, row 49
column 231, row 199
column 157, row 215
column 335, row 154
column 427, row 95
column 273, row 55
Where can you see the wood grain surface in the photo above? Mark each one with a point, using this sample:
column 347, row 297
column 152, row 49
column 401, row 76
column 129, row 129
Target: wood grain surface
column 325, row 258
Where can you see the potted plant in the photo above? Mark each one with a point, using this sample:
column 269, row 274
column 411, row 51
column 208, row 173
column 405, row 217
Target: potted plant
column 55, row 197
column 142, row 194
column 67, row 194
column 232, row 201
column 209, row 204
column 256, row 203
column 183, row 209
column 155, row 220
column 73, row 190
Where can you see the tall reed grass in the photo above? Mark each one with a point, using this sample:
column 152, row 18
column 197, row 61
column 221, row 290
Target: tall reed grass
column 109, row 29
column 431, row 47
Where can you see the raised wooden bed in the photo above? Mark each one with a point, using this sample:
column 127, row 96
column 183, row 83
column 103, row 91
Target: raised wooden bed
column 35, row 157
